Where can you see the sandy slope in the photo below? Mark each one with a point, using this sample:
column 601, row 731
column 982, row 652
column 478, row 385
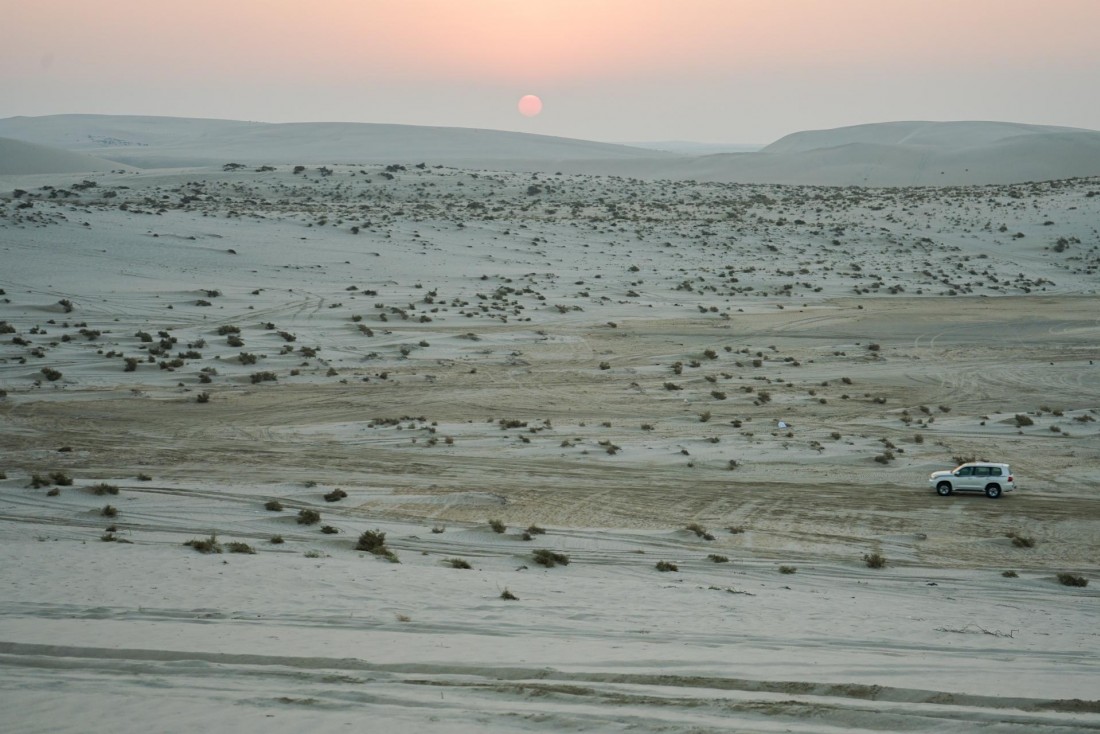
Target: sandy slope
column 880, row 154
column 450, row 347
column 21, row 158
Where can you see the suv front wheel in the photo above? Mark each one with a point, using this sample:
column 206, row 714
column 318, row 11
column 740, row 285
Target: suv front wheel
column 943, row 489
column 993, row 491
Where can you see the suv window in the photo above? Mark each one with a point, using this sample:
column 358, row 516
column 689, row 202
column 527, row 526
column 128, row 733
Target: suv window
column 981, row 471
column 994, row 471
column 964, row 472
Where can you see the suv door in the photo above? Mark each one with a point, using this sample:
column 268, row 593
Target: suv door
column 980, row 477
column 964, row 478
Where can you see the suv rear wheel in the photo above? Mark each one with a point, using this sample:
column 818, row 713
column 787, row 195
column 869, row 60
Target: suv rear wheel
column 943, row 489
column 993, row 491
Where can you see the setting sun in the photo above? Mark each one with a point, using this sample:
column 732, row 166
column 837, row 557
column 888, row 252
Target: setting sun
column 529, row 105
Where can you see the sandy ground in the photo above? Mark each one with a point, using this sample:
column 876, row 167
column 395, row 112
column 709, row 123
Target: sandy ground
column 604, row 358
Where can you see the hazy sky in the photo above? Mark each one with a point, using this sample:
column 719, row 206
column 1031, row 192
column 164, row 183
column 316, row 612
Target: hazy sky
column 620, row 70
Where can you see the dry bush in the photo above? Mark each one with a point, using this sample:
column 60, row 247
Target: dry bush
column 508, row 596
column 205, row 545
column 103, row 488
column 109, row 511
column 699, row 531
column 237, row 546
column 548, row 558
column 329, row 530
column 335, row 495
column 1069, row 579
column 787, row 569
column 308, row 517
column 498, row 526
column 273, row 506
column 458, row 563
column 874, row 560
column 665, row 566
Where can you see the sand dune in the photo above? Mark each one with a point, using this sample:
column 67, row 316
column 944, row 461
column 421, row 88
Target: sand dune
column 21, row 158
column 166, row 142
column 881, row 154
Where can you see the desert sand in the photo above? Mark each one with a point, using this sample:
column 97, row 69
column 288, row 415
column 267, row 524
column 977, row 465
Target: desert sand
column 596, row 365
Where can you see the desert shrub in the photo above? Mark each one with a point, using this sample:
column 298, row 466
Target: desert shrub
column 205, row 545
column 498, row 526
column 704, row 417
column 273, row 506
column 374, row 542
column 672, row 386
column 202, row 397
column 718, row 394
column 371, row 541
column 699, row 531
column 665, row 566
column 439, row 529
column 276, row 540
column 61, row 478
column 51, row 374
column 508, row 596
column 308, row 517
column 718, row 558
column 237, row 546
column 109, row 511
column 549, row 558
column 873, row 347
column 226, row 329
column 258, row 377
column 1021, row 541
column 329, row 530
column 835, row 435
column 131, row 364
column 335, row 495
column 535, row 530
column 1023, row 420
column 103, row 488
column 885, row 457
column 457, row 563
column 874, row 560
column 1009, row 574
column 314, row 554
column 247, row 358
column 735, row 529
column 787, row 569
column 1069, row 579
column 605, row 365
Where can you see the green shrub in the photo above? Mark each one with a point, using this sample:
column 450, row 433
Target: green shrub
column 308, row 517
column 103, row 488
column 665, row 566
column 1023, row 420
column 498, row 526
column 329, row 530
column 273, row 506
column 1069, row 579
column 109, row 511
column 335, row 495
column 238, row 547
column 371, row 541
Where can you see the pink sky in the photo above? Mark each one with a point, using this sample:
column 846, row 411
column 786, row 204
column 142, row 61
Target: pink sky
column 717, row 70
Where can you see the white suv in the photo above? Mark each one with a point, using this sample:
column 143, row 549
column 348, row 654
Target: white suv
column 979, row 476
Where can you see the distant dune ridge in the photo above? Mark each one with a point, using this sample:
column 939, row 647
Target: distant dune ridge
column 20, row 158
column 881, row 154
